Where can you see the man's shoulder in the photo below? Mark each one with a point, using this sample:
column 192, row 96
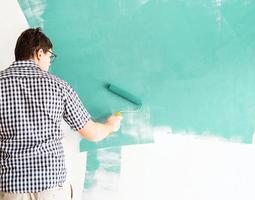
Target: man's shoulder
column 58, row 80
column 31, row 73
column 7, row 72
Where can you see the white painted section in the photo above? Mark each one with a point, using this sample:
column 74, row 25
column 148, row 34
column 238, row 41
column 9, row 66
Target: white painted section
column 186, row 167
column 12, row 23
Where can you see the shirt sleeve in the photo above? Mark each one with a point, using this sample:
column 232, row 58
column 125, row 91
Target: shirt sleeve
column 75, row 114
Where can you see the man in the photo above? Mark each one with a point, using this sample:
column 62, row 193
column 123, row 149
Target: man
column 32, row 104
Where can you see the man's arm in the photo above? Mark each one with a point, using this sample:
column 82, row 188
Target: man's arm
column 95, row 132
column 76, row 115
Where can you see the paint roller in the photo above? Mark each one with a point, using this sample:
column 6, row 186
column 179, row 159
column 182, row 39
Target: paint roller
column 125, row 95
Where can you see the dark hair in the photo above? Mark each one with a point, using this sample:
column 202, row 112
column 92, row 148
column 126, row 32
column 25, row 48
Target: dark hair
column 31, row 41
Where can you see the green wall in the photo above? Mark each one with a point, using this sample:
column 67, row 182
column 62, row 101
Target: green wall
column 190, row 62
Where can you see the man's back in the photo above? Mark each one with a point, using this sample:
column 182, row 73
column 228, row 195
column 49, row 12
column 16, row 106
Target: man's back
column 32, row 105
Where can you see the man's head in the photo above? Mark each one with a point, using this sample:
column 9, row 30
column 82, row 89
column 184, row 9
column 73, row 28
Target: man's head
column 33, row 44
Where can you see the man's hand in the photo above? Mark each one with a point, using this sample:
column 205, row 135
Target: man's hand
column 94, row 131
column 114, row 122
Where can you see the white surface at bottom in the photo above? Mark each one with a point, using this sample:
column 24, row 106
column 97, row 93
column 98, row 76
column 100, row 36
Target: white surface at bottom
column 188, row 168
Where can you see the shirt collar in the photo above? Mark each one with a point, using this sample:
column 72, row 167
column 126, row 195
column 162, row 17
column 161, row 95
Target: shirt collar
column 25, row 63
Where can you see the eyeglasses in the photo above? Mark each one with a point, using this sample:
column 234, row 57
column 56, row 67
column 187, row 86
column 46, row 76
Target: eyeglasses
column 52, row 57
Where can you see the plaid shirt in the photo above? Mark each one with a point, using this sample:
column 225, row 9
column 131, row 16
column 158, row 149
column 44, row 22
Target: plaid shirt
column 32, row 104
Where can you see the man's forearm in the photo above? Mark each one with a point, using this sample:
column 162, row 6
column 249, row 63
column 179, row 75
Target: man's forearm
column 101, row 131
column 94, row 131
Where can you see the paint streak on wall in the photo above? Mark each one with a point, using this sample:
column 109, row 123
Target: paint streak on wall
column 135, row 129
column 102, row 176
column 33, row 10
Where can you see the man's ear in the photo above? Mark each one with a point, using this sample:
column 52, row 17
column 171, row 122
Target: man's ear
column 39, row 54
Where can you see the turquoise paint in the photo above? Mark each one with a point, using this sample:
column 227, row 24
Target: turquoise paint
column 191, row 63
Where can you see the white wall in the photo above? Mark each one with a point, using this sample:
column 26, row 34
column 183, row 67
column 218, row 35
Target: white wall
column 12, row 23
column 184, row 167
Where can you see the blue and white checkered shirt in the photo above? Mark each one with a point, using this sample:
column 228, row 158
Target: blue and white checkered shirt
column 32, row 104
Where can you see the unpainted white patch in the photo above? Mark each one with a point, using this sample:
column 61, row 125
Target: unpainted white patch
column 137, row 125
column 108, row 159
column 105, row 179
column 106, row 186
column 204, row 167
column 218, row 3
